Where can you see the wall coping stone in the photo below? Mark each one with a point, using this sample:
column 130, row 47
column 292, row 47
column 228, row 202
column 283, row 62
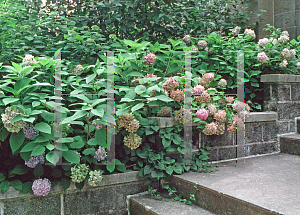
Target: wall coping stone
column 277, row 78
column 262, row 116
column 119, row 178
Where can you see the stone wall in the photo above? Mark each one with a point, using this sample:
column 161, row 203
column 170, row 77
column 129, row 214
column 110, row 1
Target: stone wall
column 110, row 198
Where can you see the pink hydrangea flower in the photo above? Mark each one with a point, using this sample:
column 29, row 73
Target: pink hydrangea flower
column 202, row 44
column 220, row 116
column 177, row 95
column 220, row 129
column 240, row 106
column 210, row 129
column 236, row 30
column 211, row 109
column 41, row 187
column 206, row 79
column 243, row 114
column 236, row 124
column 202, row 114
column 250, row 32
column 230, row 99
column 263, row 41
column 170, row 84
column 197, row 90
column 298, row 65
column 283, row 64
column 150, row 59
column 262, row 57
column 186, row 38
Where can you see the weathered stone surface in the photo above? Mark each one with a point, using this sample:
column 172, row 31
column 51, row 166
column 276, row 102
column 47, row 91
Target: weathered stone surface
column 298, row 125
column 295, row 92
column 262, row 116
column 253, row 132
column 266, row 92
column 283, row 127
column 46, row 205
column 283, row 6
column 270, row 106
column 263, row 148
column 276, row 78
column 227, row 153
column 278, row 19
column 289, row 19
column 290, row 144
column 292, row 126
column 284, row 91
column 270, row 131
column 288, row 110
column 213, row 156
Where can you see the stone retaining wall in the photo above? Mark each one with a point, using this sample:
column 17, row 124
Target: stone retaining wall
column 109, row 198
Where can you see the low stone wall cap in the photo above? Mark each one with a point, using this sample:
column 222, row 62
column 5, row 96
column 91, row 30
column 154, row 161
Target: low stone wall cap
column 280, row 78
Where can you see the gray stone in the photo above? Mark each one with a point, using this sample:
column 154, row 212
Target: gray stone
column 297, row 5
column 289, row 19
column 288, row 110
column 297, row 17
column 267, row 17
column 270, row 106
column 253, row 133
column 276, row 78
column 270, row 131
column 284, row 91
column 283, row 127
column 290, row 144
column 266, row 92
column 227, row 153
column 292, row 126
column 278, row 19
column 261, row 117
column 292, row 32
column 283, row 6
column 295, row 92
column 263, row 148
column 37, row 205
column 213, row 156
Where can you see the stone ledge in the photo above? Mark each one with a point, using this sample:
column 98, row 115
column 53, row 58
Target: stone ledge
column 262, row 116
column 277, row 78
column 114, row 179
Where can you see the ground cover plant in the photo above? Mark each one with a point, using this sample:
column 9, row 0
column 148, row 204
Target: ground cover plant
column 149, row 81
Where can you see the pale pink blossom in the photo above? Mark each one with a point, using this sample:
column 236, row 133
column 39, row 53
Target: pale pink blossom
column 250, row 33
column 197, row 90
column 220, row 116
column 263, row 41
column 210, row 129
column 262, row 57
column 202, row 114
column 150, row 59
column 230, row 99
column 202, row 44
column 177, row 95
column 236, row 30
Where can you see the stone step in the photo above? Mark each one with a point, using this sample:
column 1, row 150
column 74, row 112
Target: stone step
column 298, row 125
column 290, row 144
column 264, row 185
column 149, row 205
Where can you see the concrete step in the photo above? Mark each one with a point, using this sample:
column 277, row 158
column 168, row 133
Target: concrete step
column 298, row 125
column 149, row 205
column 290, row 144
column 263, row 185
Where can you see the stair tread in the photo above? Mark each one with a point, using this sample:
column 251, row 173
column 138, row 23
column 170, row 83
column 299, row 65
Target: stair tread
column 291, row 136
column 270, row 182
column 166, row 208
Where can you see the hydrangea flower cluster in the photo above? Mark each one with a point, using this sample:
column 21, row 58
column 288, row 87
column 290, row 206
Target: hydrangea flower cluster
column 97, row 126
column 202, row 114
column 150, row 59
column 65, row 128
column 210, row 129
column 195, row 49
column 170, row 84
column 29, row 59
column 283, row 64
column 186, row 38
column 236, row 124
column 164, row 111
column 211, row 109
column 220, row 116
column 183, row 115
column 202, row 44
column 262, row 57
column 132, row 141
column 263, row 41
column 236, row 30
column 41, row 187
column 33, row 161
column 220, row 128
column 79, row 173
column 177, row 95
column 129, row 122
column 284, row 38
column 204, row 98
column 95, row 178
column 78, row 69
column 10, row 113
column 206, row 79
column 288, row 55
column 240, row 106
column 230, row 99
column 222, row 83
column 100, row 154
column 298, row 65
column 30, row 131
column 250, row 33
column 198, row 89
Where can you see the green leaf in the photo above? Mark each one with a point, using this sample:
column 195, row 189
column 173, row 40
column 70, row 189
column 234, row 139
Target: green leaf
column 43, row 127
column 65, row 183
column 4, row 186
column 90, row 78
column 17, row 67
column 120, row 166
column 101, row 137
column 77, row 145
column 49, row 117
column 78, row 37
column 89, row 151
column 98, row 112
column 53, row 157
column 7, row 101
column 77, row 115
column 71, row 156
column 2, row 177
column 122, row 111
column 166, row 143
column 26, row 187
column 38, row 170
column 35, row 104
column 140, row 89
column 20, row 169
column 16, row 140
column 3, row 134
column 38, row 150
column 16, row 119
column 147, row 169
column 110, row 167
column 137, row 107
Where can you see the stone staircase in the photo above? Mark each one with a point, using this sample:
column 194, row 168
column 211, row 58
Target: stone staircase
column 262, row 185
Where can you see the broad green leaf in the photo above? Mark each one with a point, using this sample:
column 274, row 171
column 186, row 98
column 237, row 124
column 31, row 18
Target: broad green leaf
column 16, row 119
column 16, row 140
column 26, row 187
column 77, row 115
column 49, row 117
column 4, row 186
column 17, row 67
column 20, row 169
column 77, row 145
column 44, row 62
column 38, row 170
column 65, row 183
column 110, row 167
column 98, row 112
column 71, row 156
column 89, row 151
column 7, row 101
column 78, row 37
column 35, row 104
column 137, row 107
column 43, row 127
column 3, row 134
column 38, row 150
column 140, row 89
column 2, row 177
column 53, row 157
column 90, row 78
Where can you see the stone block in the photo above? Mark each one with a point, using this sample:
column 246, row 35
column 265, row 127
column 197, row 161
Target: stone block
column 292, row 126
column 253, row 132
column 289, row 19
column 297, row 17
column 284, row 91
column 266, row 92
column 290, row 144
column 267, row 17
column 297, row 5
column 213, row 156
column 295, row 88
column 276, row 78
column 36, row 205
column 283, row 127
column 278, row 19
column 270, row 106
column 281, row 6
column 227, row 153
column 262, row 116
column 292, row 31
column 270, row 131
column 288, row 110
column 263, row 148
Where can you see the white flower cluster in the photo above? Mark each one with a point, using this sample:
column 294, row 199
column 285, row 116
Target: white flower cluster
column 186, row 38
column 79, row 172
column 283, row 64
column 78, row 69
column 284, row 38
column 41, row 187
column 95, row 178
column 250, row 33
column 202, row 44
column 288, row 55
column 29, row 59
column 100, row 154
column 10, row 113
column 222, row 83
